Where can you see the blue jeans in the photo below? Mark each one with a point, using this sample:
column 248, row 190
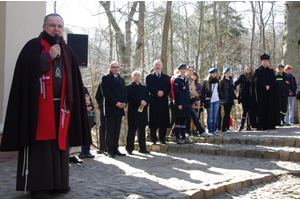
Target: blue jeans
column 212, row 114
column 289, row 118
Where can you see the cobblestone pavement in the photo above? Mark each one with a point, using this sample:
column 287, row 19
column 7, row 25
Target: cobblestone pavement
column 174, row 175
column 158, row 175
column 281, row 187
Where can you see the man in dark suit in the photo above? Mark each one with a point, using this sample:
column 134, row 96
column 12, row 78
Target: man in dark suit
column 159, row 86
column 138, row 99
column 113, row 87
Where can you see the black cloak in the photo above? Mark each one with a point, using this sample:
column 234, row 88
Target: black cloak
column 264, row 111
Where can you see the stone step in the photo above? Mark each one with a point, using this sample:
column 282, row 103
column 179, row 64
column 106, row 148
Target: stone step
column 245, row 140
column 234, row 150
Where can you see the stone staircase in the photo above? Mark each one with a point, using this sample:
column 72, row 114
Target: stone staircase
column 286, row 149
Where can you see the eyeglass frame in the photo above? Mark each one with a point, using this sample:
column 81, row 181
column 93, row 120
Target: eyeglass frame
column 52, row 25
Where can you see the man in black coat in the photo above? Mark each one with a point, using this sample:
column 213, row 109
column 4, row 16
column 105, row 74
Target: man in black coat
column 113, row 87
column 46, row 112
column 100, row 100
column 159, row 86
column 138, row 98
column 264, row 111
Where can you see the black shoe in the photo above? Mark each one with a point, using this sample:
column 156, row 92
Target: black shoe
column 163, row 142
column 41, row 194
column 241, row 128
column 249, row 128
column 100, row 151
column 74, row 159
column 129, row 152
column 82, row 156
column 111, row 155
column 119, row 153
column 58, row 191
column 90, row 155
column 144, row 151
column 154, row 143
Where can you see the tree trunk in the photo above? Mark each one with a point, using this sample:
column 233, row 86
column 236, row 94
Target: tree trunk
column 128, row 51
column 165, row 34
column 291, row 41
column 139, row 46
column 217, row 59
column 201, row 4
column 252, row 35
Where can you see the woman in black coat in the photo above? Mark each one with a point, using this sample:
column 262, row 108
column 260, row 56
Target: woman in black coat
column 244, row 81
column 138, row 99
column 226, row 84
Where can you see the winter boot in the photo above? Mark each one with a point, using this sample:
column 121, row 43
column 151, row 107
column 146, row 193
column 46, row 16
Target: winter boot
column 243, row 119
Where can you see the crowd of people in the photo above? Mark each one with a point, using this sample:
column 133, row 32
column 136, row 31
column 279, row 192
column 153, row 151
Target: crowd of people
column 49, row 109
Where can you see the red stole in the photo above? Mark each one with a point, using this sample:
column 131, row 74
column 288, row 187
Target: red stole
column 46, row 129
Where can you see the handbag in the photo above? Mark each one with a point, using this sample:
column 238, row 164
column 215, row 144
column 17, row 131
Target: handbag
column 207, row 103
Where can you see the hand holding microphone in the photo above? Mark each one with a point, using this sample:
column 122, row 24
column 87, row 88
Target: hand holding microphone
column 55, row 49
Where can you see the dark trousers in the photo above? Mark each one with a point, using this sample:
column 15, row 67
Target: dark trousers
column 180, row 125
column 141, row 138
column 283, row 102
column 102, row 130
column 162, row 134
column 173, row 114
column 113, row 125
column 226, row 119
column 85, row 149
column 195, row 119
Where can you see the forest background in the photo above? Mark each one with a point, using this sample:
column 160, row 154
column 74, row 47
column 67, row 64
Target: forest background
column 202, row 33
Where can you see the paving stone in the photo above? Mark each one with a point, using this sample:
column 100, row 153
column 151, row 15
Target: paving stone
column 297, row 143
column 266, row 142
column 209, row 151
column 295, row 157
column 195, row 149
column 164, row 148
column 283, row 155
column 253, row 154
column 208, row 193
column 226, row 140
column 219, row 190
column 243, row 140
column 173, row 148
column 218, row 140
column 278, row 142
column 289, row 143
column 222, row 152
column 237, row 153
column 184, row 148
column 271, row 155
column 253, row 141
column 196, row 194
column 155, row 147
column 210, row 140
column 200, row 140
column 233, row 186
column 235, row 141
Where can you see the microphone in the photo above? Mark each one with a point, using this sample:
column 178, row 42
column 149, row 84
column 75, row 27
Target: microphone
column 57, row 38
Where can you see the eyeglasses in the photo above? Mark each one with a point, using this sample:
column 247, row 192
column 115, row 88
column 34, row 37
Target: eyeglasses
column 54, row 26
column 114, row 67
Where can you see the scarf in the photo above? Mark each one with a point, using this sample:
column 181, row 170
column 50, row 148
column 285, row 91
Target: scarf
column 46, row 129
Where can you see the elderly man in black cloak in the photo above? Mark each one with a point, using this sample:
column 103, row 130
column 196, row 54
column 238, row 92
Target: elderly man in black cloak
column 264, row 112
column 46, row 112
column 159, row 86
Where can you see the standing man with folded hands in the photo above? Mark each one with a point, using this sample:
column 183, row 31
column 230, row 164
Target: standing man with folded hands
column 113, row 86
